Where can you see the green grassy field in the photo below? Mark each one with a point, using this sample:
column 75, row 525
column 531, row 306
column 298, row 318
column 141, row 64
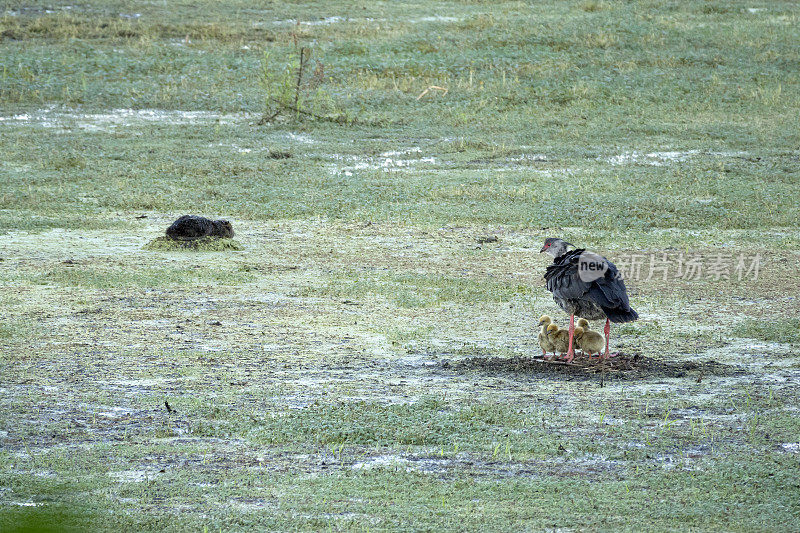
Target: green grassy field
column 363, row 362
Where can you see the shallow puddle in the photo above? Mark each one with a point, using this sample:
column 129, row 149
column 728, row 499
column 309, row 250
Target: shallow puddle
column 120, row 118
column 659, row 159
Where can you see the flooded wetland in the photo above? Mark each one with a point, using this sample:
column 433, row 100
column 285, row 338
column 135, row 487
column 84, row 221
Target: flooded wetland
column 363, row 354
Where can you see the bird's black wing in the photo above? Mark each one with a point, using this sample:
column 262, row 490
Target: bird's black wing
column 562, row 277
column 608, row 292
column 614, row 299
column 189, row 227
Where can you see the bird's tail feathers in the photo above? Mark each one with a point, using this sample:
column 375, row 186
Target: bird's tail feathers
column 621, row 315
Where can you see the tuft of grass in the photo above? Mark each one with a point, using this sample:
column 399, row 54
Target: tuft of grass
column 68, row 162
column 776, row 329
column 591, row 6
column 293, row 87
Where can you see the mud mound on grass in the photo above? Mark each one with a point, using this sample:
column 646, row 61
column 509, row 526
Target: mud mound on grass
column 203, row 244
column 624, row 366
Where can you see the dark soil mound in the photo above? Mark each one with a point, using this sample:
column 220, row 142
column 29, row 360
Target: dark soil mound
column 623, row 366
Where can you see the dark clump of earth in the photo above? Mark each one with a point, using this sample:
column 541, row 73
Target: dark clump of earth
column 623, row 366
column 192, row 227
column 279, row 154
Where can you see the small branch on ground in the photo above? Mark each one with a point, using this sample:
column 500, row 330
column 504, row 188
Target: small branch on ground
column 433, row 88
column 283, row 106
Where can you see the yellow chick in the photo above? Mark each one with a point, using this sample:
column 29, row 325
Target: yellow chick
column 582, row 323
column 589, row 341
column 544, row 340
column 559, row 337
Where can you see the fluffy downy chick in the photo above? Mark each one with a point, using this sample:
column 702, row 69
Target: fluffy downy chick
column 589, row 341
column 559, row 337
column 544, row 340
column 582, row 323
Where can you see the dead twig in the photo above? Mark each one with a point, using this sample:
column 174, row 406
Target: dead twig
column 541, row 359
column 305, row 53
column 282, row 106
column 433, row 88
column 269, row 118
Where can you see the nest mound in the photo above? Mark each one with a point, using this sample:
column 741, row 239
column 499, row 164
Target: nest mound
column 580, row 364
column 203, row 244
column 623, row 365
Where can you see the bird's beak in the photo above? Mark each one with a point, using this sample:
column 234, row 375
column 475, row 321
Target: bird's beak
column 542, row 250
column 540, row 322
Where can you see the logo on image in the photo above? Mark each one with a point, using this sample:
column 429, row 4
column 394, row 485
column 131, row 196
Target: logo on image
column 591, row 266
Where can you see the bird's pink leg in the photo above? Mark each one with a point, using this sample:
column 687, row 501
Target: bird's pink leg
column 607, row 331
column 571, row 352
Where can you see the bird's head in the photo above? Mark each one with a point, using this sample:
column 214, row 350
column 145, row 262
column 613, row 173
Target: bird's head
column 552, row 329
column 582, row 322
column 578, row 332
column 555, row 246
column 545, row 320
column 223, row 228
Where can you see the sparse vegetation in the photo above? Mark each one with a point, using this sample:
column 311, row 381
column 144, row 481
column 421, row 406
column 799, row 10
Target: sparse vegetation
column 777, row 329
column 295, row 89
column 361, row 360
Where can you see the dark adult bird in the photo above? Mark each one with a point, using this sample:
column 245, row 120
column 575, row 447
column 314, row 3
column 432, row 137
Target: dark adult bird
column 191, row 227
column 587, row 285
